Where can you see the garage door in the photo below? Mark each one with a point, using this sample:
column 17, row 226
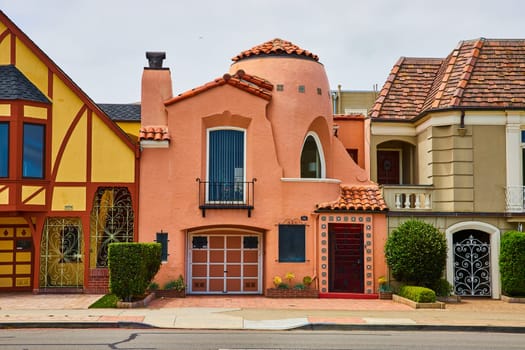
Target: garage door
column 224, row 263
column 16, row 256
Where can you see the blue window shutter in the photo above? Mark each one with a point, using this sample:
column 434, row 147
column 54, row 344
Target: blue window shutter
column 226, row 165
column 4, row 149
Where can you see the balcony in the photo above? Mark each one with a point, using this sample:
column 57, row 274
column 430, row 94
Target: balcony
column 514, row 196
column 226, row 195
column 408, row 197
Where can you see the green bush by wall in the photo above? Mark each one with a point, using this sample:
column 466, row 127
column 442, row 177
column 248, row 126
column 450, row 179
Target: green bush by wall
column 132, row 266
column 512, row 264
column 416, row 253
column 418, row 294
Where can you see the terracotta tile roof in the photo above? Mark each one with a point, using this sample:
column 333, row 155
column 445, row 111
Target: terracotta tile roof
column 406, row 88
column 276, row 47
column 357, row 198
column 481, row 73
column 154, row 133
column 249, row 83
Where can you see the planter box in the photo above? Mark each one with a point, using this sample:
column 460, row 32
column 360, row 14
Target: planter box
column 292, row 293
column 415, row 305
column 136, row 304
column 453, row 299
column 512, row 299
column 170, row 293
column 385, row 295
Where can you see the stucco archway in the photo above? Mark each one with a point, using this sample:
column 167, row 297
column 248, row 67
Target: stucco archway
column 494, row 233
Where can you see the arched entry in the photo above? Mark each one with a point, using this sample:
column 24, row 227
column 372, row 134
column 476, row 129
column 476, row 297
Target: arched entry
column 472, row 263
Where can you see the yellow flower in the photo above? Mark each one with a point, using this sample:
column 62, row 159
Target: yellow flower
column 289, row 276
column 381, row 280
column 277, row 281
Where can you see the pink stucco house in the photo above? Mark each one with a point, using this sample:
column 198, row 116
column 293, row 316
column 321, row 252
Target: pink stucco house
column 247, row 177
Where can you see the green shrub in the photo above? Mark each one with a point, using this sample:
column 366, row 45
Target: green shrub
column 132, row 266
column 177, row 284
column 299, row 286
column 418, row 294
column 153, row 286
column 512, row 262
column 442, row 288
column 416, row 252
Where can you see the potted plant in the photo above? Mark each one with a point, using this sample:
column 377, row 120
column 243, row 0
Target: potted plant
column 289, row 290
column 385, row 291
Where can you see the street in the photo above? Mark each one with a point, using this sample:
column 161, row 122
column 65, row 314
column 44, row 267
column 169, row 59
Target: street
column 30, row 339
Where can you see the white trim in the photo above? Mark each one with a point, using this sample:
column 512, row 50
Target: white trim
column 301, row 179
column 154, row 144
column 319, row 150
column 392, row 129
column 495, row 235
column 208, row 158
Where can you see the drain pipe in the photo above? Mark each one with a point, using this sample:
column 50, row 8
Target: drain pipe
column 462, row 130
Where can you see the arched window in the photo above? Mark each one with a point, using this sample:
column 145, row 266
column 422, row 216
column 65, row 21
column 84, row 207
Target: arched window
column 312, row 158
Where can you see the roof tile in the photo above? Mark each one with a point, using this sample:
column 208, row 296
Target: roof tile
column 276, row 47
column 357, row 198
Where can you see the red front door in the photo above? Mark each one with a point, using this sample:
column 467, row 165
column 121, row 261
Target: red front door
column 346, row 258
column 388, row 167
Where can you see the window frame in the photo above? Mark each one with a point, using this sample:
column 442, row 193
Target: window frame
column 42, row 160
column 288, row 246
column 244, row 187
column 320, row 152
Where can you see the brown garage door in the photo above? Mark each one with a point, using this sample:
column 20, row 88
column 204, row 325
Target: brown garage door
column 225, row 263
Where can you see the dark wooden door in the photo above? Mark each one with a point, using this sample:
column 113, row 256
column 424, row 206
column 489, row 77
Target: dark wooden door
column 388, row 167
column 346, row 258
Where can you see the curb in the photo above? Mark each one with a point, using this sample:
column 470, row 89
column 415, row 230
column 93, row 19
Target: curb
column 6, row 325
column 399, row 327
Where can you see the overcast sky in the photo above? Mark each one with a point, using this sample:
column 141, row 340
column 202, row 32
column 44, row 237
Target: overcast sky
column 101, row 44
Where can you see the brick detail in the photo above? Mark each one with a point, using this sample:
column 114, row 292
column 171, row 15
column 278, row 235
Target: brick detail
column 98, row 281
column 292, row 293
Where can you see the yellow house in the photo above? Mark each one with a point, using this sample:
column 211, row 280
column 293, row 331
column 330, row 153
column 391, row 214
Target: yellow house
column 68, row 175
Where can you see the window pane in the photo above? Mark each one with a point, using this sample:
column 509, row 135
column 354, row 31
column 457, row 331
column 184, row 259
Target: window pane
column 33, row 157
column 291, row 243
column 4, row 149
column 162, row 238
column 226, row 165
column 310, row 160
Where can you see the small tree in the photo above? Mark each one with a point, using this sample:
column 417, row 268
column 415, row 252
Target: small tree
column 512, row 262
column 416, row 252
column 132, row 266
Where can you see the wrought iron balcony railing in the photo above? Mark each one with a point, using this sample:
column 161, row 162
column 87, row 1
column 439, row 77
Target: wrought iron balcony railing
column 226, row 195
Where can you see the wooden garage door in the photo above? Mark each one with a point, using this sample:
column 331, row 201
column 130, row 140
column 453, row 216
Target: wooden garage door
column 225, row 264
column 16, row 257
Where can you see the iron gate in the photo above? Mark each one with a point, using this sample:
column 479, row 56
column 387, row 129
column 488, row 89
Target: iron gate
column 472, row 264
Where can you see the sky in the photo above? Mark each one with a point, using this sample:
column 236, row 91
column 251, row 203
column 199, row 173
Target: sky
column 101, row 44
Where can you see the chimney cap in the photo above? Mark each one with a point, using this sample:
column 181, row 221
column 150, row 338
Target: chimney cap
column 155, row 59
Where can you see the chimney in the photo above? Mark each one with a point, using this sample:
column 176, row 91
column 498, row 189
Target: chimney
column 156, row 88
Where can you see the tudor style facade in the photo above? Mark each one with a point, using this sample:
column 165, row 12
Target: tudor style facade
column 243, row 179
column 67, row 176
column 447, row 138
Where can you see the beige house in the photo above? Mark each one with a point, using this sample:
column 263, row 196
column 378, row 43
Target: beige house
column 447, row 145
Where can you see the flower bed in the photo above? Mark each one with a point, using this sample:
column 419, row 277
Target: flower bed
column 292, row 293
column 170, row 293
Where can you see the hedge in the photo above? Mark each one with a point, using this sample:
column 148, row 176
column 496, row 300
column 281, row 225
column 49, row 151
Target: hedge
column 132, row 266
column 418, row 294
column 416, row 252
column 512, row 264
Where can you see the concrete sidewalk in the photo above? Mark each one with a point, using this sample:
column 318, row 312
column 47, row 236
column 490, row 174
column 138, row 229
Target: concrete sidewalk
column 258, row 313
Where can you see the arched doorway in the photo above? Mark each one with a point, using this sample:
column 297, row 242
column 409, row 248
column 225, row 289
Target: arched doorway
column 472, row 262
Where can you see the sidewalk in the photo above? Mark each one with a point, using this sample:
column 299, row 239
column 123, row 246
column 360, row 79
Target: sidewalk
column 258, row 313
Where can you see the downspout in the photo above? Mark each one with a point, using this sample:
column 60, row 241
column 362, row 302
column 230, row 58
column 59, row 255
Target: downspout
column 462, row 130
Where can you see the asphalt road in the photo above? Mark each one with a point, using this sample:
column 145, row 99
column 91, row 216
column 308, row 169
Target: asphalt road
column 29, row 339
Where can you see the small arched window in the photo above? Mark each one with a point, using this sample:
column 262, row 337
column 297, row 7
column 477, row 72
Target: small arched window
column 312, row 158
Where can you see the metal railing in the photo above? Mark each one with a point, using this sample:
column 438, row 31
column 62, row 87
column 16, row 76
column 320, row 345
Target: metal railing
column 226, row 195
